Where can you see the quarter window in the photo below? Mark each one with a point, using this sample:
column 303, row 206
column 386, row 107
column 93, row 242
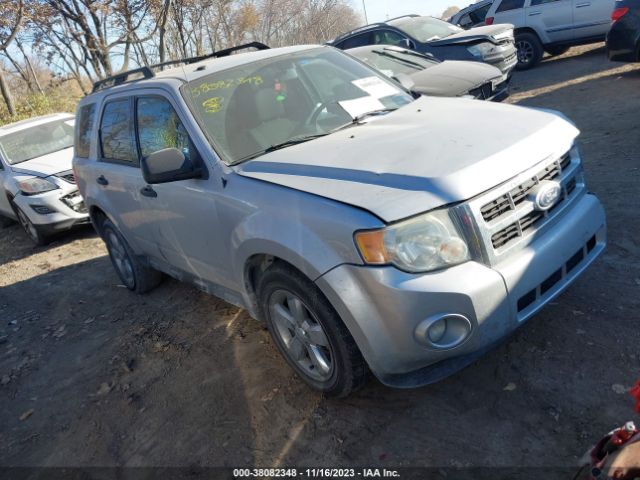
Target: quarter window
column 86, row 118
column 510, row 5
column 159, row 126
column 357, row 41
column 116, row 134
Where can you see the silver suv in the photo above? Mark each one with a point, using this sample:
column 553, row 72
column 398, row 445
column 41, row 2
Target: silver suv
column 543, row 25
column 37, row 186
column 367, row 228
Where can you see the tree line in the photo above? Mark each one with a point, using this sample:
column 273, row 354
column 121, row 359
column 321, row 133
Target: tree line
column 47, row 43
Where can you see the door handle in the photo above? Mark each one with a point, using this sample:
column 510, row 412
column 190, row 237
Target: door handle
column 102, row 181
column 586, row 4
column 148, row 192
column 533, row 14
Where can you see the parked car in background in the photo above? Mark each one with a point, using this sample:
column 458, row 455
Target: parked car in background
column 37, row 185
column 367, row 228
column 473, row 15
column 546, row 26
column 429, row 76
column 490, row 44
column 623, row 39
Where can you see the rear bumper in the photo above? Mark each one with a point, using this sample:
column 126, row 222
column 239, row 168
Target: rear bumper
column 383, row 307
column 623, row 41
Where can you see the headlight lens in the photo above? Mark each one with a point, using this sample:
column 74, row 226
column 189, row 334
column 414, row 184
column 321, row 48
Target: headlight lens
column 32, row 186
column 421, row 244
column 480, row 49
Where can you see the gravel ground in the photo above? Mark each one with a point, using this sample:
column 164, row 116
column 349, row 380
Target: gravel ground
column 94, row 375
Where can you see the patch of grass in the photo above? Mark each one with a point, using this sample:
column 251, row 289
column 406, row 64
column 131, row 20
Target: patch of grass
column 40, row 104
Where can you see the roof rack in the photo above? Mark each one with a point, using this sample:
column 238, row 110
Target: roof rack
column 143, row 73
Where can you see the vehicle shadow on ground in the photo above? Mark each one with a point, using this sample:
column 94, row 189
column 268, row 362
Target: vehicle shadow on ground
column 113, row 378
column 15, row 244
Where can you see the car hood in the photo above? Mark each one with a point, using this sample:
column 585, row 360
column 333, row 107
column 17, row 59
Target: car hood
column 430, row 153
column 46, row 165
column 485, row 32
column 453, row 77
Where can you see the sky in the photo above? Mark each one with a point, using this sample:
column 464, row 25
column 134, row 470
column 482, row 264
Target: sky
column 377, row 10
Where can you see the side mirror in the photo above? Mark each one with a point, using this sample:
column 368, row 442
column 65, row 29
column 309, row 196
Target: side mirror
column 171, row 165
column 405, row 80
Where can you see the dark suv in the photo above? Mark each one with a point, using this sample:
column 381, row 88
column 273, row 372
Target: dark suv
column 493, row 44
column 623, row 40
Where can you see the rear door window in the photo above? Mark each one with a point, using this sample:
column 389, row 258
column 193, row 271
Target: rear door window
column 388, row 37
column 507, row 5
column 116, row 133
column 86, row 118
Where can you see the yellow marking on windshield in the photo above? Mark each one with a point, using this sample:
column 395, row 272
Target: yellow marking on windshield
column 213, row 104
column 225, row 84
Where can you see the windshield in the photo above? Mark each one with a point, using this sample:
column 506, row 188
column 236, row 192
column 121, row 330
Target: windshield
column 425, row 29
column 391, row 61
column 37, row 141
column 250, row 109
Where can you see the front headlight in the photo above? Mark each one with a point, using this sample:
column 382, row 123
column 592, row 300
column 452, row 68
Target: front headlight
column 32, row 186
column 480, row 49
column 421, row 244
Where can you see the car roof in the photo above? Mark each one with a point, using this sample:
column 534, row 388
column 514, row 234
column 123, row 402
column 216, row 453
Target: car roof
column 31, row 122
column 368, row 27
column 176, row 76
column 474, row 6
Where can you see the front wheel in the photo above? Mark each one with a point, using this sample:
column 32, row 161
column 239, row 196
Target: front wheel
column 34, row 232
column 529, row 50
column 309, row 333
column 132, row 272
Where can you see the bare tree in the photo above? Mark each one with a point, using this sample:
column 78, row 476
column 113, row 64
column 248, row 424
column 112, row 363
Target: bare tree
column 10, row 24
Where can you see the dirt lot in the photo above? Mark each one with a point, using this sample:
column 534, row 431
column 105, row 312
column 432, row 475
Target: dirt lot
column 92, row 374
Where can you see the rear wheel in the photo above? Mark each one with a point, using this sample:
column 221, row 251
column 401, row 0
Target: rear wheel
column 309, row 333
column 133, row 274
column 529, row 50
column 555, row 51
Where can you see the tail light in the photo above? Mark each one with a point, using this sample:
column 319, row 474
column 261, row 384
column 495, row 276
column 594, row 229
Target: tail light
column 618, row 13
column 488, row 21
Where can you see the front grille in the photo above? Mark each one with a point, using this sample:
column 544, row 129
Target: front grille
column 67, row 176
column 510, row 201
column 482, row 92
column 506, row 218
column 540, row 292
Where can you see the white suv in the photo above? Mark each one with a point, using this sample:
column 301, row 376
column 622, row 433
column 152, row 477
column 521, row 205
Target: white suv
column 37, row 185
column 543, row 25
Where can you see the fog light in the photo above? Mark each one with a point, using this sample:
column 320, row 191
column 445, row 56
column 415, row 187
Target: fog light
column 41, row 209
column 444, row 331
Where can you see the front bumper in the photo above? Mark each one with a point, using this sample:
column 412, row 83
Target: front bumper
column 504, row 57
column 64, row 207
column 382, row 307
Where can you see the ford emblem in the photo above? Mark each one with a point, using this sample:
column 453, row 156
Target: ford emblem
column 545, row 195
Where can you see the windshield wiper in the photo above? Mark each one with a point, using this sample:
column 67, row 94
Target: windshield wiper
column 285, row 144
column 357, row 120
column 413, row 53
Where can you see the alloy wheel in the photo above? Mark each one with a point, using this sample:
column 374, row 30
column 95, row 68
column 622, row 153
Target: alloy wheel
column 27, row 225
column 525, row 52
column 302, row 336
column 121, row 259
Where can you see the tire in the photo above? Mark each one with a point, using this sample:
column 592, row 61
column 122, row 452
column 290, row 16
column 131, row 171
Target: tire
column 309, row 333
column 33, row 231
column 555, row 51
column 132, row 272
column 529, row 50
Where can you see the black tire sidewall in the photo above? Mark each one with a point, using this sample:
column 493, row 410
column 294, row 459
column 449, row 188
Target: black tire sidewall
column 538, row 51
column 281, row 279
column 40, row 238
